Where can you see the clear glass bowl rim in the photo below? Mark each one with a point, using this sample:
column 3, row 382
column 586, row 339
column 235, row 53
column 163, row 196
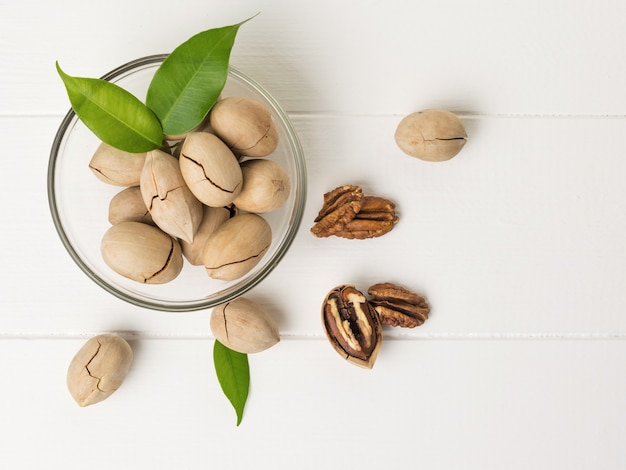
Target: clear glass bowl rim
column 230, row 293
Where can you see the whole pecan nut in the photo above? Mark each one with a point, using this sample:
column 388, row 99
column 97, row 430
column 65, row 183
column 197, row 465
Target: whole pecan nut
column 352, row 326
column 398, row 306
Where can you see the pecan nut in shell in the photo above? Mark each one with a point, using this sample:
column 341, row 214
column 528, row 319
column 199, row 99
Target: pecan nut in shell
column 352, row 326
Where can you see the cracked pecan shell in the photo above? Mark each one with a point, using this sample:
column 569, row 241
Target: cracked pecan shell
column 244, row 326
column 99, row 368
column 398, row 306
column 172, row 205
column 236, row 246
column 351, row 325
column 142, row 252
column 210, row 169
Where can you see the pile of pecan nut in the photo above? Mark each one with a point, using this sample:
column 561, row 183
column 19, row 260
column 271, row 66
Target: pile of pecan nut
column 348, row 213
column 353, row 323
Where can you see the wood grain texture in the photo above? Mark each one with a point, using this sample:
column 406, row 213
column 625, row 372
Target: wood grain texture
column 521, row 233
column 372, row 56
column 433, row 404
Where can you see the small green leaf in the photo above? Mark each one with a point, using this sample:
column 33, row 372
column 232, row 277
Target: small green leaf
column 233, row 374
column 191, row 78
column 116, row 116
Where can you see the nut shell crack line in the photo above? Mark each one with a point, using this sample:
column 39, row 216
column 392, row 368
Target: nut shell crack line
column 206, row 176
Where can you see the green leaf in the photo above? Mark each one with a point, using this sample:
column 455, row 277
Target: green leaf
column 233, row 374
column 116, row 116
column 189, row 81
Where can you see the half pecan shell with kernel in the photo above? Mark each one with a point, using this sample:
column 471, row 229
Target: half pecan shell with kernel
column 352, row 326
column 398, row 306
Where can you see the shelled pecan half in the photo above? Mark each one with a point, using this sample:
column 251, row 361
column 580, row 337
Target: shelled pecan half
column 376, row 217
column 351, row 325
column 347, row 213
column 340, row 207
column 398, row 306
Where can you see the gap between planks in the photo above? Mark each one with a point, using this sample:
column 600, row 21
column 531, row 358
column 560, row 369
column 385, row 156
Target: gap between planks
column 326, row 114
column 535, row 336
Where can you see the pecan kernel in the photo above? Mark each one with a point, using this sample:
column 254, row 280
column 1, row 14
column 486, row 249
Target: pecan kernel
column 377, row 208
column 398, row 306
column 338, row 197
column 347, row 213
column 340, row 206
column 352, row 326
column 360, row 229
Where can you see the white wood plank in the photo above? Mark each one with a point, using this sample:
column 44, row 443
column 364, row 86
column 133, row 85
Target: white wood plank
column 489, row 56
column 521, row 224
column 521, row 233
column 517, row 243
column 426, row 404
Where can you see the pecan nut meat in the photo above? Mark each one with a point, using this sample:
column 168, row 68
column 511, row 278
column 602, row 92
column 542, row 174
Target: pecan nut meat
column 398, row 306
column 378, row 208
column 347, row 213
column 352, row 326
column 376, row 217
column 340, row 206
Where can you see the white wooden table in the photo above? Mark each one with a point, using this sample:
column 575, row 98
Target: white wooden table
column 518, row 244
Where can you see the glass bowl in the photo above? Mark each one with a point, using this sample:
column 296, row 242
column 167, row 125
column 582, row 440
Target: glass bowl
column 79, row 203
